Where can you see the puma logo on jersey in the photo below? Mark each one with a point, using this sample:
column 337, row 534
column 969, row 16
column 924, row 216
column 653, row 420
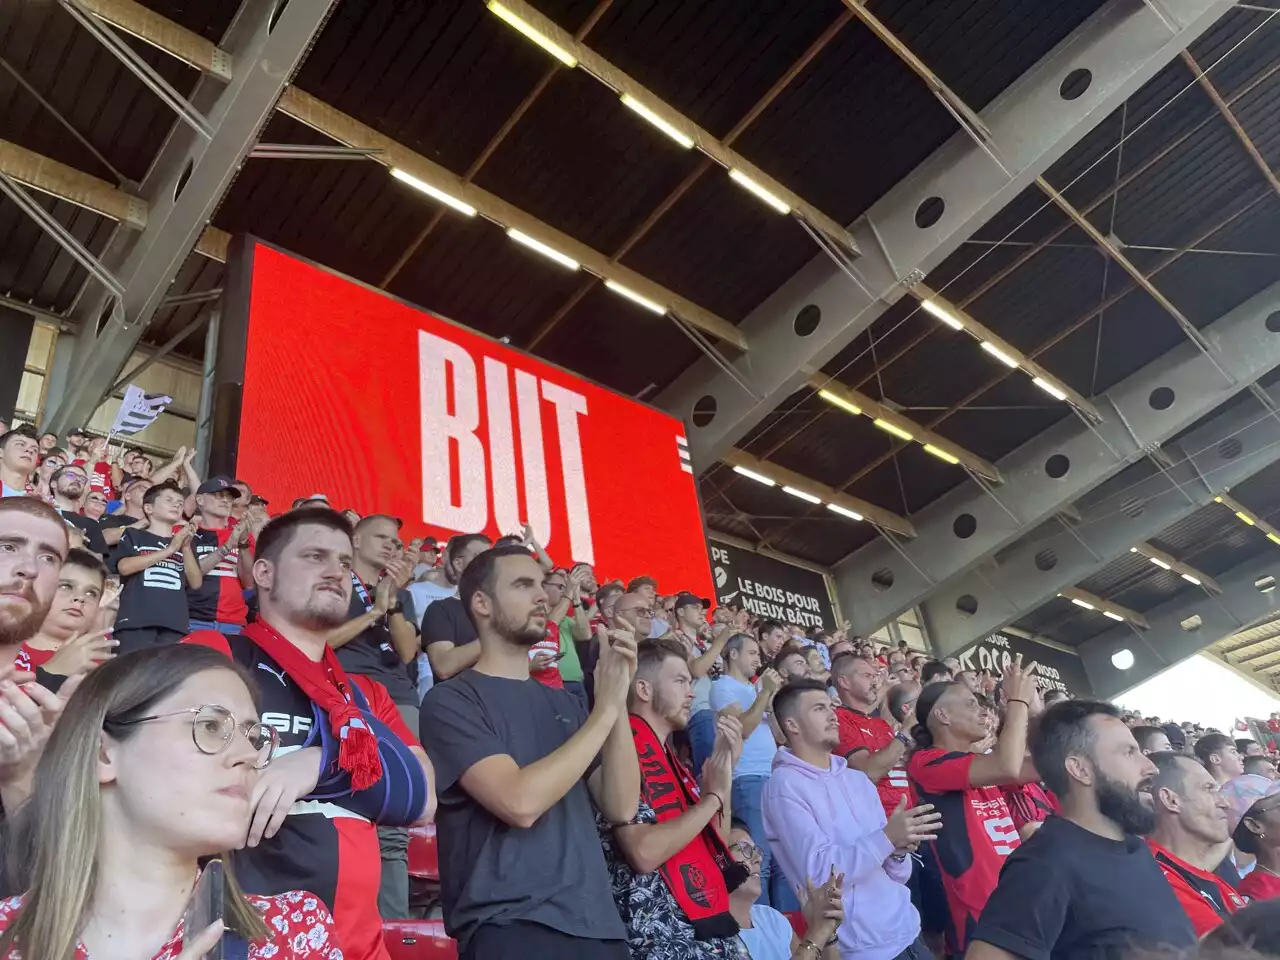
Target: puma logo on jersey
column 278, row 674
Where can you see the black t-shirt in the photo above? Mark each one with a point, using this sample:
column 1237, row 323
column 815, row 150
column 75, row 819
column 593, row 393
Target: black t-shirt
column 371, row 654
column 156, row 597
column 446, row 620
column 1069, row 894
column 90, row 528
column 552, row 873
column 117, row 520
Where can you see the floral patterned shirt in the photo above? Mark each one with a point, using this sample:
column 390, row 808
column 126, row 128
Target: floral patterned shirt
column 300, row 924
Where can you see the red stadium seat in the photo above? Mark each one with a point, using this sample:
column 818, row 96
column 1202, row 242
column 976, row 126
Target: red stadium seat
column 418, row 940
column 797, row 923
column 424, row 858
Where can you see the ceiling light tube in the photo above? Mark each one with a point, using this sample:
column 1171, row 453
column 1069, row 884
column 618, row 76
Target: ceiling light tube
column 634, row 297
column 943, row 314
column 888, row 427
column 664, row 125
column 839, row 401
column 1049, row 388
column 807, row 497
column 757, row 477
column 996, row 352
column 1082, row 603
column 1190, row 579
column 742, row 180
column 1273, row 538
column 1113, row 616
column 1160, row 563
column 432, row 192
column 844, row 511
column 549, row 252
column 1245, row 517
column 541, row 39
column 940, row 454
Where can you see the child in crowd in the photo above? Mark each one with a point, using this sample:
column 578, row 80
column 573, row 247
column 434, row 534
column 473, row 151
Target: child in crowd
column 70, row 640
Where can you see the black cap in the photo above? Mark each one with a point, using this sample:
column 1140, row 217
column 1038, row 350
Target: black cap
column 76, row 432
column 218, row 485
column 685, row 599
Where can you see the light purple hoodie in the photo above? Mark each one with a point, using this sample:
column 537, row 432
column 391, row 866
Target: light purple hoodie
column 815, row 819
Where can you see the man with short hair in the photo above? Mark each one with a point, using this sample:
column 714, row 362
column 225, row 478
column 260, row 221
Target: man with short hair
column 346, row 760
column 47, row 442
column 34, row 541
column 1084, row 885
column 225, row 565
column 734, row 694
column 935, row 671
column 1190, row 831
column 1260, row 765
column 1249, row 748
column 68, row 485
column 1220, row 757
column 824, row 819
column 19, row 454
column 448, row 633
column 772, row 636
column 129, row 514
column 156, row 565
column 680, row 828
column 522, row 874
column 1151, row 739
column 869, row 743
column 792, row 664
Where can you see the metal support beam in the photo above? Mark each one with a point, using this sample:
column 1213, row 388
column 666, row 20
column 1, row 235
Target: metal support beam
column 1167, row 561
column 1059, row 467
column 1103, row 607
column 1248, row 517
column 1123, row 45
column 1207, row 620
column 183, row 189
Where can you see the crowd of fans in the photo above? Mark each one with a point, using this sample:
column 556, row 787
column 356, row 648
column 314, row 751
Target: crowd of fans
column 613, row 771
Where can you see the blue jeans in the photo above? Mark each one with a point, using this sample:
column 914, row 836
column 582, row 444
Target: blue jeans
column 775, row 890
column 231, row 629
column 702, row 737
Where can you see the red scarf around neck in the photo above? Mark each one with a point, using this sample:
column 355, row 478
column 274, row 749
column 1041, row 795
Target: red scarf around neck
column 325, row 684
column 695, row 875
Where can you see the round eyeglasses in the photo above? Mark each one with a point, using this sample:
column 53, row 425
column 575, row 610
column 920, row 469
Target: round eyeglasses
column 213, row 726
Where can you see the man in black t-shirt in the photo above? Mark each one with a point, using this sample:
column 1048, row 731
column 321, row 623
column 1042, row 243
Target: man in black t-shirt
column 68, row 485
column 518, row 764
column 156, row 567
column 1085, row 886
column 131, row 513
column 448, row 635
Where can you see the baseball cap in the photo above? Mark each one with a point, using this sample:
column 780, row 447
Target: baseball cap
column 218, row 485
column 1243, row 792
column 317, row 496
column 76, row 432
column 685, row 599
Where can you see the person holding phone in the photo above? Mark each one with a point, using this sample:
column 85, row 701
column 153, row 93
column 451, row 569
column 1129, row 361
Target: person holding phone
column 151, row 768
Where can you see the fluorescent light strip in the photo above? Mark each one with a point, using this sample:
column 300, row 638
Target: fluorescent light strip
column 996, row 352
column 1217, row 499
column 943, row 314
column 839, row 401
column 1160, row 563
column 888, row 427
column 1273, row 538
column 1049, row 388
column 844, row 511
column 549, row 252
column 1082, row 603
column 541, row 39
column 432, row 192
column 1113, row 616
column 807, row 497
column 1190, row 579
column 757, row 477
column 665, row 126
column 940, row 454
column 1245, row 517
column 742, row 180
column 634, row 297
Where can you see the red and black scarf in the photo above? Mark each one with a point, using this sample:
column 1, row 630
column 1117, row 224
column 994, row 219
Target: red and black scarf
column 696, row 876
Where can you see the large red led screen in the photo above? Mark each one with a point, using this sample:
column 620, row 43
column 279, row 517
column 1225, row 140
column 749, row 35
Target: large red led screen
column 384, row 407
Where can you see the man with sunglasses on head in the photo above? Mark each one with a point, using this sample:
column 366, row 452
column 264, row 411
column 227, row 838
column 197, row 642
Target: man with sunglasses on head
column 347, row 763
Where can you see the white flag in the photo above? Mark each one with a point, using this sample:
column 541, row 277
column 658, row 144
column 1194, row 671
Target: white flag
column 138, row 410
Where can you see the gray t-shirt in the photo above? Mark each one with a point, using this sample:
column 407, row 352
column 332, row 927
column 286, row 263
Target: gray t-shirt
column 552, row 873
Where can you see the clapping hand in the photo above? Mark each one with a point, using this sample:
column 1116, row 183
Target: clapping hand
column 81, row 654
column 617, row 664
column 908, row 827
column 27, row 715
column 823, row 909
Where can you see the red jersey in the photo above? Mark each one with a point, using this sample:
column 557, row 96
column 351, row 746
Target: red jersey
column 977, row 834
column 28, row 658
column 220, row 597
column 861, row 732
column 1207, row 898
column 99, row 476
column 1028, row 803
column 550, row 676
column 1260, row 885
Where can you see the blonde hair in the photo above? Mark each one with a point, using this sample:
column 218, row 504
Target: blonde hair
column 55, row 837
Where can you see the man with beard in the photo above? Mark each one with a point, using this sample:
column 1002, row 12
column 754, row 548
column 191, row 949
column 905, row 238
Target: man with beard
column 868, row 743
column 346, row 760
column 522, row 871
column 680, row 830
column 792, row 664
column 1084, row 886
column 68, row 484
column 1190, row 830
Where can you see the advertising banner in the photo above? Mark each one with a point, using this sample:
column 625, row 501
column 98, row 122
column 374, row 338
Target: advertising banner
column 770, row 588
column 1056, row 669
column 385, row 407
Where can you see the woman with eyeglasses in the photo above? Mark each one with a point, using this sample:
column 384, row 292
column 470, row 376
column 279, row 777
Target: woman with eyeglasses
column 149, row 771
column 766, row 933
